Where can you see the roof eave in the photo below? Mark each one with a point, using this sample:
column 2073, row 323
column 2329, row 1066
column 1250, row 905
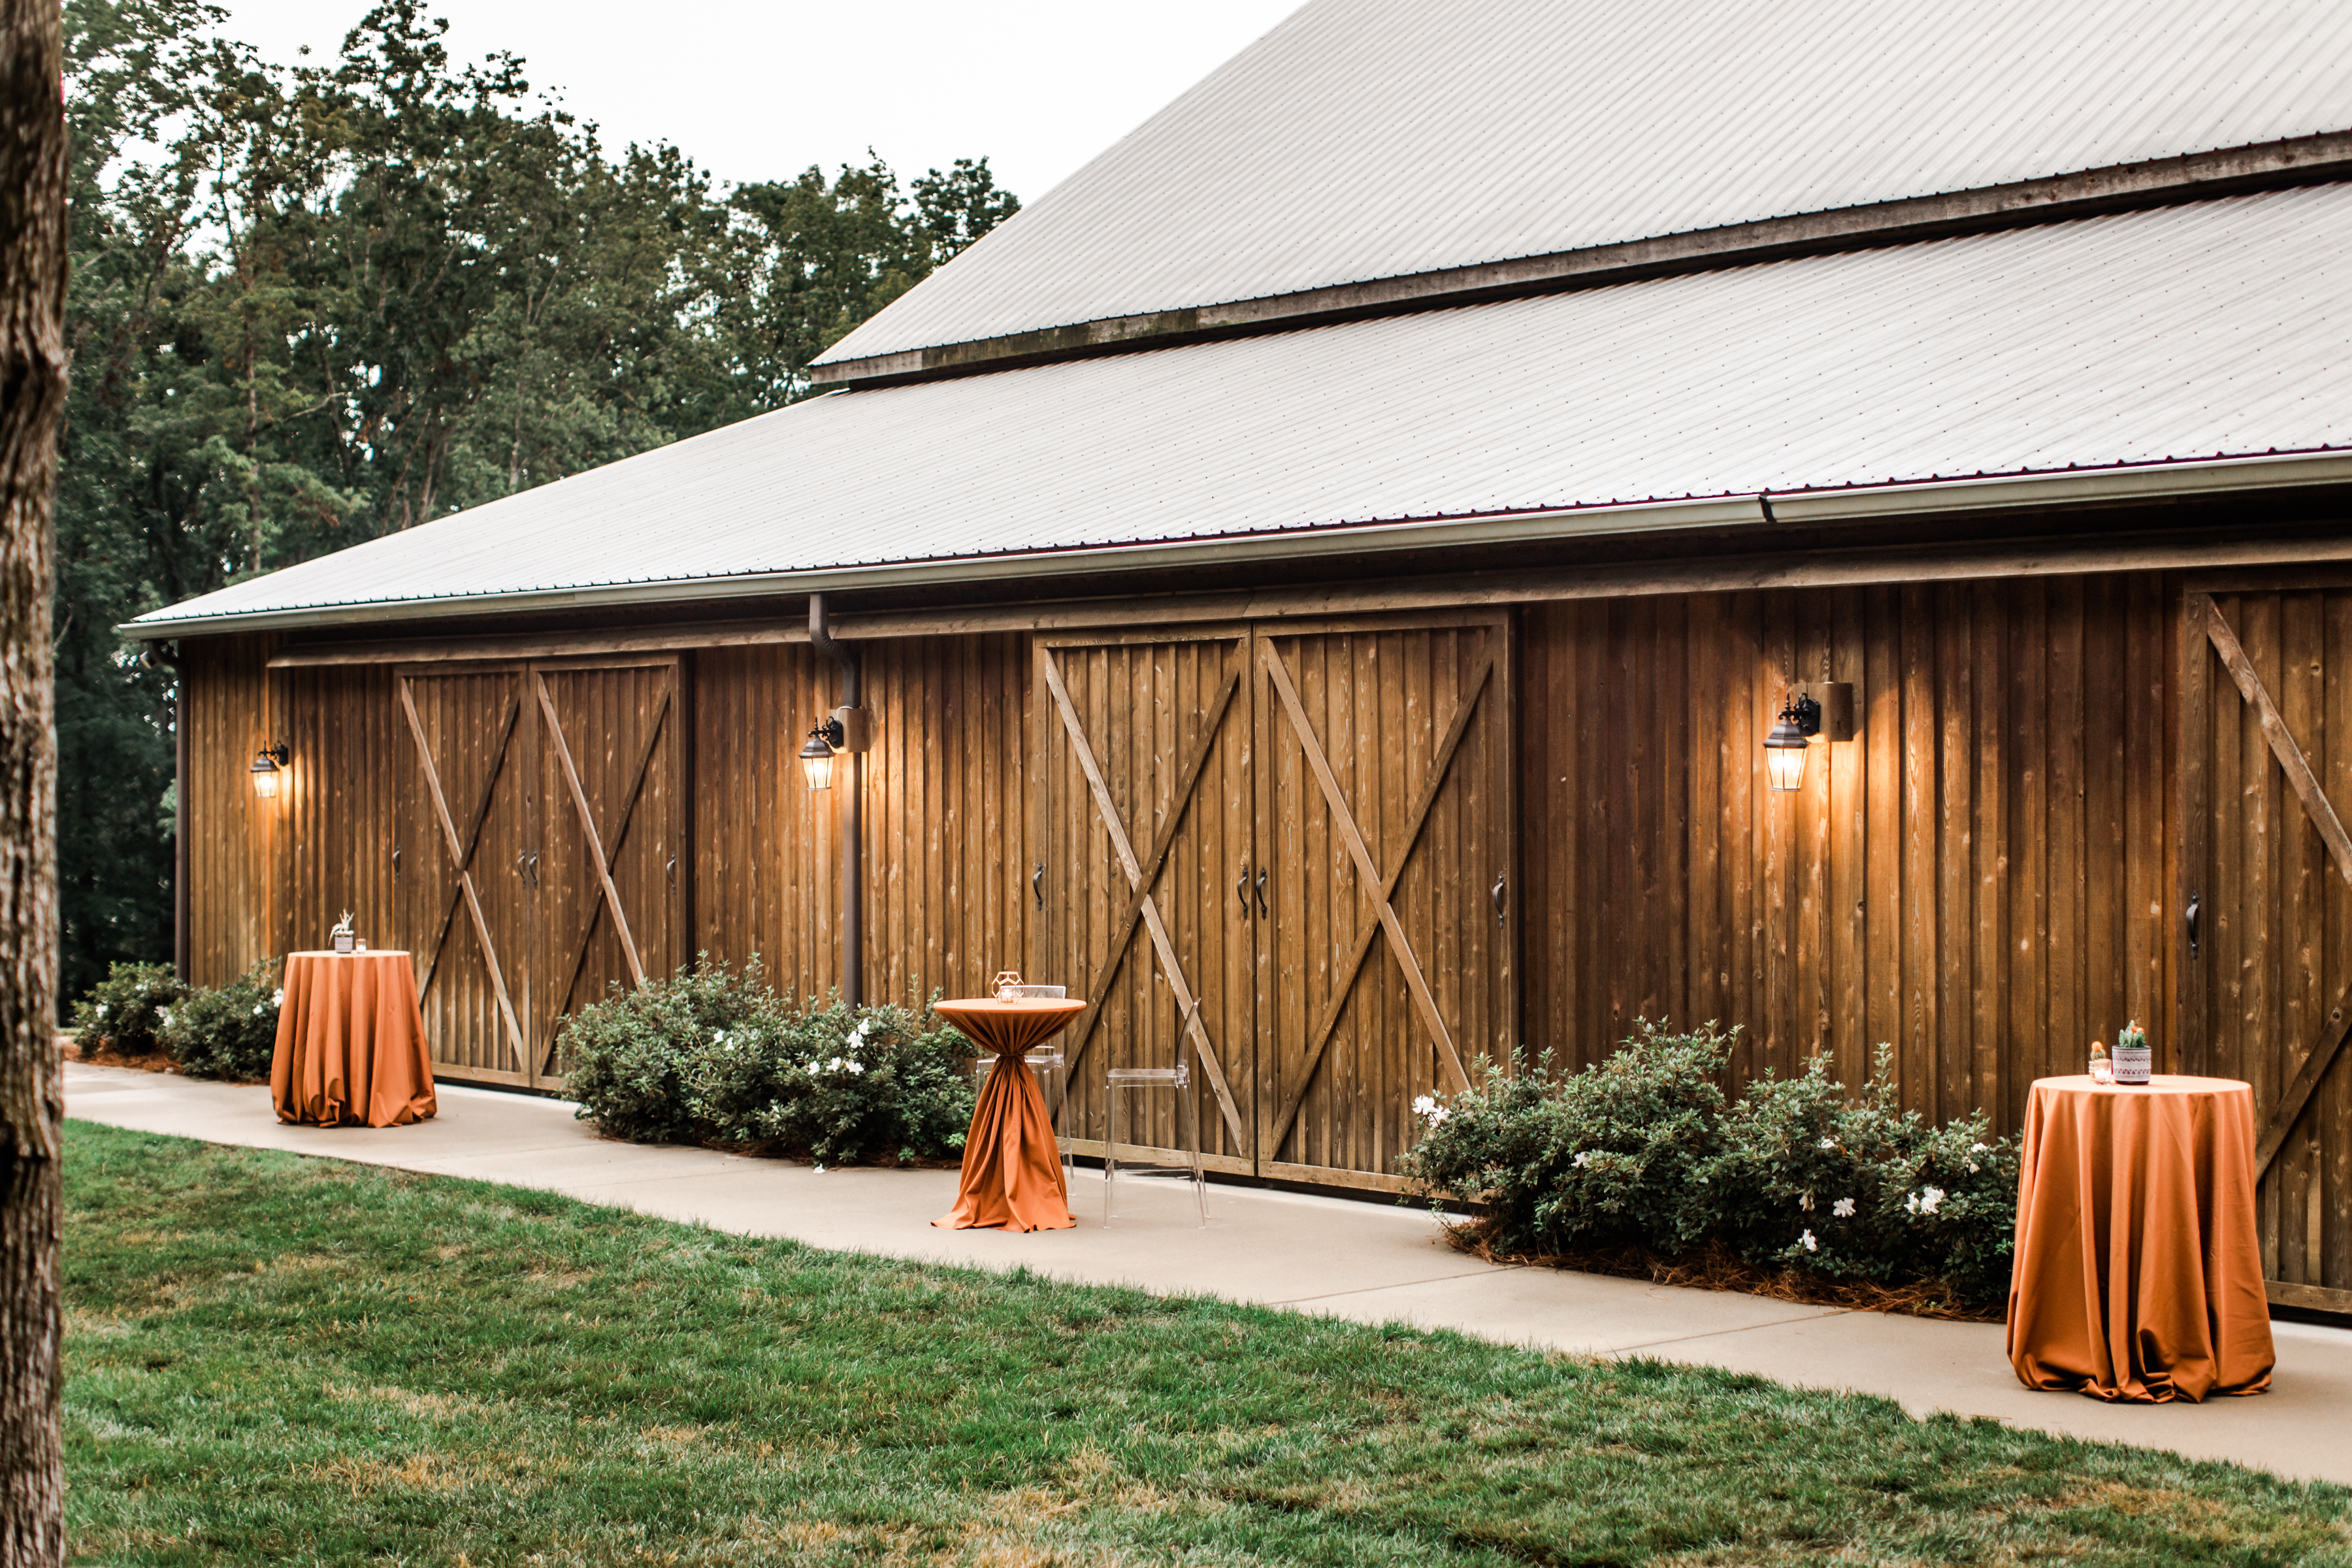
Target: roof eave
column 2079, row 486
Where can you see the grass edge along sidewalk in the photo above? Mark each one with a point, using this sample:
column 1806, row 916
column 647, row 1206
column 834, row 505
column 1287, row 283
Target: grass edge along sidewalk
column 278, row 1357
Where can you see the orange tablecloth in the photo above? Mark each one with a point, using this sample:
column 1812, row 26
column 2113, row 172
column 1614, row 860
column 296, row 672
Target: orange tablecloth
column 2138, row 1274
column 350, row 1042
column 1012, row 1166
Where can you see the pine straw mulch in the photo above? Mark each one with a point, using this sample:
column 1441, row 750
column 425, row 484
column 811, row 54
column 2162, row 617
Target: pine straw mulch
column 1714, row 1267
column 105, row 1055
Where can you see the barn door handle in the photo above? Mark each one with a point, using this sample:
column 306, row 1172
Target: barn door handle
column 522, row 873
column 396, row 862
column 1241, row 890
column 673, row 870
column 1037, row 884
column 1496, row 892
column 2196, row 906
column 1261, row 890
column 534, row 869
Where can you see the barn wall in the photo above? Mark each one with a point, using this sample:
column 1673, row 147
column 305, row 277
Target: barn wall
column 338, row 811
column 231, row 836
column 1980, row 878
column 946, row 870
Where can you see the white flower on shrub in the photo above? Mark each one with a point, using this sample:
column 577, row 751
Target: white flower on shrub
column 278, row 997
column 259, row 1008
column 1926, row 1201
column 1842, row 1208
column 1810, row 1245
column 1805, row 1202
column 1426, row 1107
column 102, row 1009
column 1829, row 1143
column 1582, row 1159
column 165, row 1017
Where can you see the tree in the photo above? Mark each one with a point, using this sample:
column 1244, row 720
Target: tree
column 33, row 362
column 312, row 305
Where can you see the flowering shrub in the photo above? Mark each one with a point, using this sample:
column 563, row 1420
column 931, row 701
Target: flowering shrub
column 1642, row 1150
column 229, row 1033
column 713, row 1056
column 1863, row 1189
column 126, row 1012
column 1619, row 1153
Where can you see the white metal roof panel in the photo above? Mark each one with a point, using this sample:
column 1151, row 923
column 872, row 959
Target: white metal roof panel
column 2219, row 327
column 1373, row 139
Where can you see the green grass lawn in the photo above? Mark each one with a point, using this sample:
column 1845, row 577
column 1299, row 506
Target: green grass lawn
column 276, row 1358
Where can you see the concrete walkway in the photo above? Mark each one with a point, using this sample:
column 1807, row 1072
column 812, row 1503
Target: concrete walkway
column 1371, row 1262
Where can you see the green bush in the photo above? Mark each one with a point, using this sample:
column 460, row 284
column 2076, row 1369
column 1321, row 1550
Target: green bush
column 1641, row 1150
column 1863, row 1189
column 1621, row 1151
column 713, row 1056
column 230, row 1032
column 126, row 1012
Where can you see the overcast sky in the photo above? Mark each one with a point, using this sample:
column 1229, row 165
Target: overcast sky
column 762, row 91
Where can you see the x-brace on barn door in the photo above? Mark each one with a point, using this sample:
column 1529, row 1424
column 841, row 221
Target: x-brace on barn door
column 2266, row 901
column 1145, row 746
column 541, row 858
column 1288, row 844
column 1384, row 816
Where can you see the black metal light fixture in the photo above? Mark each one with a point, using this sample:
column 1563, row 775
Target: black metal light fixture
column 817, row 757
column 1785, row 747
column 267, row 763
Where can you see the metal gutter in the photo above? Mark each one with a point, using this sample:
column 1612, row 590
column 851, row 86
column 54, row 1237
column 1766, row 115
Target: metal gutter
column 2200, row 176
column 2080, row 487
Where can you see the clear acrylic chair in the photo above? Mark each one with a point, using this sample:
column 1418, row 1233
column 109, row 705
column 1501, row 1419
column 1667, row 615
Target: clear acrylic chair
column 1043, row 1063
column 1120, row 1083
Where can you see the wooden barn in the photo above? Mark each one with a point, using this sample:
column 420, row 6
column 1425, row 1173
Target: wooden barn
column 1325, row 577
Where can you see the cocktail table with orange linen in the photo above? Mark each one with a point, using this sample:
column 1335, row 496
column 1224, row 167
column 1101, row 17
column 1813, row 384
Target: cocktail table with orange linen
column 2139, row 1274
column 1012, row 1166
column 350, row 1042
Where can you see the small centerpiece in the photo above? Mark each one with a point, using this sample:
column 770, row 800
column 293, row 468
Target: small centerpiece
column 1006, row 986
column 341, row 934
column 2134, row 1060
column 2102, row 1070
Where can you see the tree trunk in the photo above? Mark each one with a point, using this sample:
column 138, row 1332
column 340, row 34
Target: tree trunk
column 32, row 400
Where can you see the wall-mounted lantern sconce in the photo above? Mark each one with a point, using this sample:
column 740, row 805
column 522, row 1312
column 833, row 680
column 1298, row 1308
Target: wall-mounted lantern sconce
column 1817, row 713
column 817, row 757
column 267, row 763
column 1791, row 738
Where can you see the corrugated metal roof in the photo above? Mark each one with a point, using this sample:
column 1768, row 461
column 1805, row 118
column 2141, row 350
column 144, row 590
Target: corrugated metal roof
column 2218, row 328
column 1373, row 139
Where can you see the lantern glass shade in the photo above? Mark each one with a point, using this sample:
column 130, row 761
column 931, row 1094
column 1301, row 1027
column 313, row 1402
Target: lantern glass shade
column 1784, row 754
column 265, row 773
column 816, row 761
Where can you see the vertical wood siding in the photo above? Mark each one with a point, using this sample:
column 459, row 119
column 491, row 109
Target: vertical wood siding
column 231, row 835
column 1979, row 878
column 944, row 825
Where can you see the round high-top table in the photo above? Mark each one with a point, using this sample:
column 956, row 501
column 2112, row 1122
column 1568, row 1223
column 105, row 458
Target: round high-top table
column 2138, row 1274
column 1012, row 1165
column 350, row 1042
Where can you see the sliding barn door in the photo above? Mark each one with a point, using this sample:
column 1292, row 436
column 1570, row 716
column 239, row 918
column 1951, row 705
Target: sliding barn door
column 2267, row 996
column 1384, row 825
column 608, row 883
column 1145, row 904
column 462, row 844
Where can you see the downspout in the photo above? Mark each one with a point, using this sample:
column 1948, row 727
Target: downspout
column 851, row 789
column 169, row 654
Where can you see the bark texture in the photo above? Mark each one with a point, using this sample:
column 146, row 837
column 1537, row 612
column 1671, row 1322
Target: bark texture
column 32, row 400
